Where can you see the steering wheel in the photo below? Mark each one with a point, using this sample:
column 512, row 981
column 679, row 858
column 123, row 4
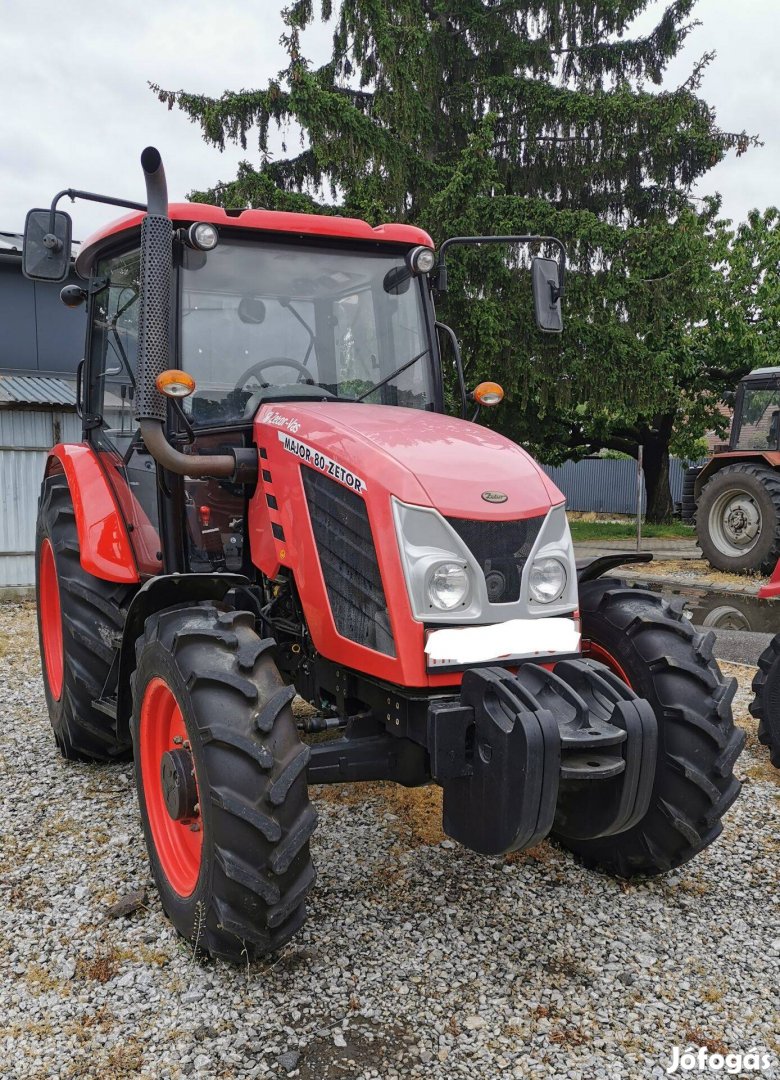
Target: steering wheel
column 285, row 361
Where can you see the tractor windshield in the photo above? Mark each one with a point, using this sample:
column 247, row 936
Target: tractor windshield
column 758, row 421
column 264, row 320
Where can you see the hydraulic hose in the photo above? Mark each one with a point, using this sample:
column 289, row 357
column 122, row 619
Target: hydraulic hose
column 154, row 331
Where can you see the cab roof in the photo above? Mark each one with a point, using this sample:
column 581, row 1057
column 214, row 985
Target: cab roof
column 762, row 374
column 277, row 221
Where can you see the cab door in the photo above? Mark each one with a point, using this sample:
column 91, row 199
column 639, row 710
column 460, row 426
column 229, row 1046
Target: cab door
column 109, row 407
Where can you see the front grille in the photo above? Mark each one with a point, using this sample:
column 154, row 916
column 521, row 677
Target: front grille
column 501, row 548
column 347, row 554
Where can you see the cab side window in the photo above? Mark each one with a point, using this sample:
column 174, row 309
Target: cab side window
column 114, row 347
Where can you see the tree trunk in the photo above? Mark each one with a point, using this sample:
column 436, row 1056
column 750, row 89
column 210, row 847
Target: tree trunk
column 656, row 464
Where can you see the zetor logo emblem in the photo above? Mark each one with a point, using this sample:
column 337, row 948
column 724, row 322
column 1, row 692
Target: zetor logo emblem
column 494, row 496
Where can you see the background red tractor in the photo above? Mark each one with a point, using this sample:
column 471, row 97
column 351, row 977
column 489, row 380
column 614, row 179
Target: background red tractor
column 735, row 497
column 269, row 500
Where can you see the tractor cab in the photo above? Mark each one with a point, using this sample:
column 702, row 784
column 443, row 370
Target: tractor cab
column 756, row 423
column 264, row 309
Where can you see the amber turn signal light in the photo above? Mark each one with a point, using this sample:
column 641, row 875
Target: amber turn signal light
column 175, row 383
column 488, row 393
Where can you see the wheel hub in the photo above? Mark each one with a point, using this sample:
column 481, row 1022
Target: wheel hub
column 180, row 791
column 735, row 523
column 741, row 521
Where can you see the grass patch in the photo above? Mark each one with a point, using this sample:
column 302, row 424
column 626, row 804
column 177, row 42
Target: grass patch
column 619, row 530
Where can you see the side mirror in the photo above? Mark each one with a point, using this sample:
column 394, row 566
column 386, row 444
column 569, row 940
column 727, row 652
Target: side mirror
column 546, row 285
column 47, row 241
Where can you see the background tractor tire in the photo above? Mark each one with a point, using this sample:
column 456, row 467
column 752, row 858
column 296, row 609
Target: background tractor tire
column 688, row 507
column 733, row 492
column 766, row 704
column 231, row 862
column 655, row 650
column 80, row 620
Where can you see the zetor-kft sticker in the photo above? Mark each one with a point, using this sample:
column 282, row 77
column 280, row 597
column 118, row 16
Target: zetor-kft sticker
column 321, row 461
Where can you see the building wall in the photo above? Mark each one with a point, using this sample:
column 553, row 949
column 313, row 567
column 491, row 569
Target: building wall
column 39, row 334
column 25, row 438
column 607, row 485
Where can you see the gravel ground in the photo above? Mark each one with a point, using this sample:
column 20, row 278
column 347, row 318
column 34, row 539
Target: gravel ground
column 418, row 958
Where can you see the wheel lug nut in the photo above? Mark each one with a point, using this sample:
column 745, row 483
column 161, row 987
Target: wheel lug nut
column 195, row 827
column 177, row 740
column 186, row 744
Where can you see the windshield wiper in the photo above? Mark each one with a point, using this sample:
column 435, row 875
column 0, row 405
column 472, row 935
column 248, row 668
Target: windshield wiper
column 393, row 374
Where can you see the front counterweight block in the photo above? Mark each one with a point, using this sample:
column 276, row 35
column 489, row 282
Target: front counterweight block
column 571, row 750
column 609, row 746
column 507, row 800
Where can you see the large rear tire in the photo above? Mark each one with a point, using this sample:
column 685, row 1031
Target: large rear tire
column 654, row 649
column 80, row 620
column 221, row 775
column 766, row 704
column 738, row 519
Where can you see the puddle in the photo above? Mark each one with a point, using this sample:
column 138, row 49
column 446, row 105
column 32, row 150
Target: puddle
column 726, row 610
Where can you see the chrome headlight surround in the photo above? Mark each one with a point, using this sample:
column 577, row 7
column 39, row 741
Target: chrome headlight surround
column 553, row 544
column 427, row 543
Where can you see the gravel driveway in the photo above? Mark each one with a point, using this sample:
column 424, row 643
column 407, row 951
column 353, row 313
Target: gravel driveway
column 418, row 958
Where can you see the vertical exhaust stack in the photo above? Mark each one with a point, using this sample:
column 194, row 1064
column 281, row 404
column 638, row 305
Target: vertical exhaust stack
column 154, row 331
column 155, row 308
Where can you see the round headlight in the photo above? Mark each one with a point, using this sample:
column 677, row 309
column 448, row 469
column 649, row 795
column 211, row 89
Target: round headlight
column 203, row 236
column 547, row 580
column 448, row 586
column 421, row 260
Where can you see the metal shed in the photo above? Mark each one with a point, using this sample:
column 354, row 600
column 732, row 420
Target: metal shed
column 35, row 413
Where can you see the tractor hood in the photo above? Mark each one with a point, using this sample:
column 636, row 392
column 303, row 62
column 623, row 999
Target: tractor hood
column 424, row 458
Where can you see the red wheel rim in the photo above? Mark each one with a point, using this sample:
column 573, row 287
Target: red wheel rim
column 51, row 620
column 179, row 849
column 592, row 651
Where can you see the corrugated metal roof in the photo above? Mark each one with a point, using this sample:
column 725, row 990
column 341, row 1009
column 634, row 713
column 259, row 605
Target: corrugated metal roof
column 36, row 390
column 11, row 242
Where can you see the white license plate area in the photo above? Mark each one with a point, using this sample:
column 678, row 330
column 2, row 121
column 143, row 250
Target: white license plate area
column 517, row 639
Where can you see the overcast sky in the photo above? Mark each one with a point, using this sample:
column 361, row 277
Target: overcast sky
column 77, row 110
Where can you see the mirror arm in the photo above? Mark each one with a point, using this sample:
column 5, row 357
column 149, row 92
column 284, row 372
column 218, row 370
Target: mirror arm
column 74, row 193
column 441, row 270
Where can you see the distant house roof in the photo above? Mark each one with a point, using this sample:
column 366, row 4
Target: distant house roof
column 36, row 390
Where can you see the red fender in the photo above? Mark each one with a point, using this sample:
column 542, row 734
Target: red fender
column 772, row 587
column 104, row 544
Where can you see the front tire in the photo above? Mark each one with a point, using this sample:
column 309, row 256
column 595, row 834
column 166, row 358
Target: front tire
column 766, row 704
column 738, row 519
column 80, row 620
column 221, row 777
column 655, row 650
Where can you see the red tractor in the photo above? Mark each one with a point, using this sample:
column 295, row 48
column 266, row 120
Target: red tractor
column 269, row 500
column 735, row 497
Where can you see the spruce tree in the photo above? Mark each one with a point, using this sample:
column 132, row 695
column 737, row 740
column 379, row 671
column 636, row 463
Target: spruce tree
column 487, row 116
